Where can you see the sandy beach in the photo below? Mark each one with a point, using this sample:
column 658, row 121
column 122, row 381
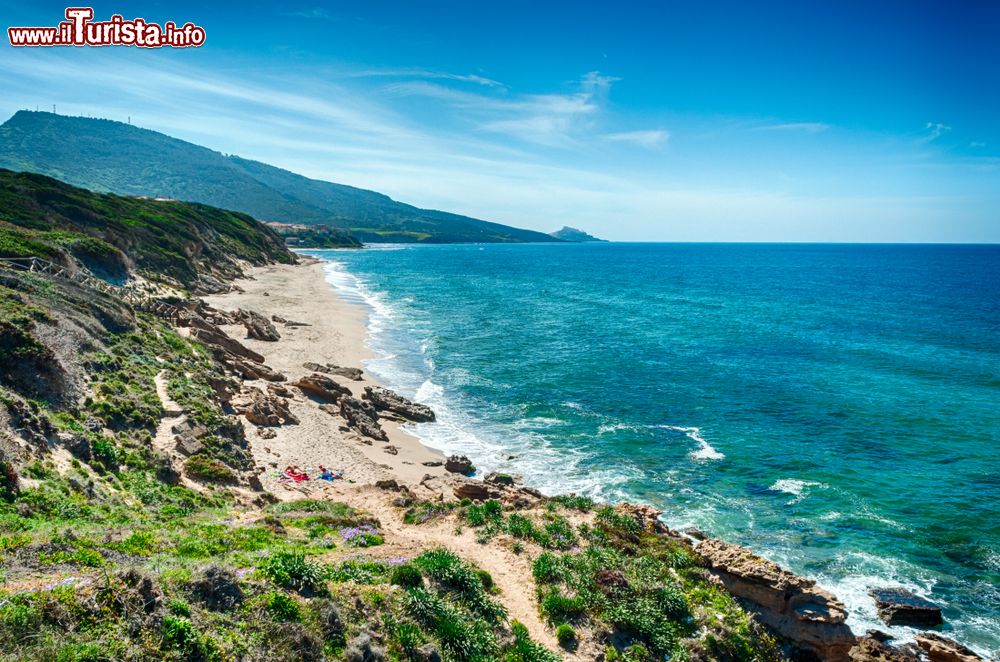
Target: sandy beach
column 333, row 332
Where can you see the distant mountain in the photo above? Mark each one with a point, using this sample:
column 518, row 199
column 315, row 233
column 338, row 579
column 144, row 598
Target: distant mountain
column 572, row 234
column 108, row 156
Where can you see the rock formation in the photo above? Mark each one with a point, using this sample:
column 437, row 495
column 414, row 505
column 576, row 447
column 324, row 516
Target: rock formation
column 264, row 409
column 330, row 369
column 941, row 649
column 459, row 464
column 362, row 418
column 898, row 606
column 322, row 387
column 792, row 606
column 385, row 400
column 258, row 327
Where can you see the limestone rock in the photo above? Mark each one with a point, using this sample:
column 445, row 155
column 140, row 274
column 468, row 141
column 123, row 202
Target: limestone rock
column 870, row 649
column 322, row 387
column 898, row 606
column 385, row 400
column 793, row 606
column 258, row 327
column 219, row 339
column 330, row 369
column 265, row 409
column 459, row 464
column 942, row 649
column 362, row 418
column 501, row 479
column 287, row 322
column 475, row 490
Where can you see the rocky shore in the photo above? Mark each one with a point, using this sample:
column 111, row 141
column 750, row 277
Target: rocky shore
column 256, row 385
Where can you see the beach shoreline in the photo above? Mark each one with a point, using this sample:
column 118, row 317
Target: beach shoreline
column 333, row 331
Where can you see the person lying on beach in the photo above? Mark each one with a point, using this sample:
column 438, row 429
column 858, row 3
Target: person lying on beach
column 327, row 474
column 296, row 474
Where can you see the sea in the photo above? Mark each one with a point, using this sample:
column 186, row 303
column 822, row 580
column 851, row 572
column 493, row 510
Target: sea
column 836, row 408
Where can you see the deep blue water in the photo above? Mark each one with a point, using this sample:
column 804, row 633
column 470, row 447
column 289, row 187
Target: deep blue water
column 834, row 407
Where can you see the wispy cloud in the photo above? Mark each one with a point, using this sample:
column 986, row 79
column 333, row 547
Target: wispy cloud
column 803, row 127
column 975, row 144
column 649, row 139
column 426, row 75
column 313, row 13
column 934, row 130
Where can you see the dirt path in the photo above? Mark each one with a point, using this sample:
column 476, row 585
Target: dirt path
column 173, row 413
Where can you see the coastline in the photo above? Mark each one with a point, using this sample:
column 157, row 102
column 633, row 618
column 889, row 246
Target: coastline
column 335, row 332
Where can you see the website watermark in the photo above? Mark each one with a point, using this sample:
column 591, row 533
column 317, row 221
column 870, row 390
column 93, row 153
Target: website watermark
column 80, row 29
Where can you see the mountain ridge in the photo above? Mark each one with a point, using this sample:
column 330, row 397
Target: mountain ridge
column 109, row 156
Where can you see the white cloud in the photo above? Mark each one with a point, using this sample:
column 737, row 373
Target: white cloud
column 427, row 75
column 804, row 127
column 649, row 139
column 934, row 131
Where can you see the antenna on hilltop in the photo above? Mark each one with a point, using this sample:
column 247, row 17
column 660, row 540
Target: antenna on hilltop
column 53, row 109
column 130, row 119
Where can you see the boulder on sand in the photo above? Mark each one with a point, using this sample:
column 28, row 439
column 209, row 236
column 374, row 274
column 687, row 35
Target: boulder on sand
column 258, row 327
column 386, row 400
column 362, row 418
column 322, row 387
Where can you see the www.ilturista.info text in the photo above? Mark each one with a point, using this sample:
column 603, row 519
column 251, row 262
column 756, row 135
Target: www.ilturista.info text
column 79, row 29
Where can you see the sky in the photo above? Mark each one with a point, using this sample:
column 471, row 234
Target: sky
column 636, row 121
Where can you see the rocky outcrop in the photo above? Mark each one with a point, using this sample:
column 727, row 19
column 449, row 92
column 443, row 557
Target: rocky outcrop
column 362, row 418
column 870, row 649
column 898, row 606
column 248, row 369
column 508, row 480
column 217, row 338
column 792, row 606
column 330, row 369
column 322, row 387
column 287, row 322
column 942, row 649
column 258, row 327
column 385, row 400
column 264, row 409
column 459, row 464
column 475, row 490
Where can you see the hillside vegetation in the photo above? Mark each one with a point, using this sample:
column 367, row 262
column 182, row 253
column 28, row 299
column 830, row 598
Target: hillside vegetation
column 103, row 155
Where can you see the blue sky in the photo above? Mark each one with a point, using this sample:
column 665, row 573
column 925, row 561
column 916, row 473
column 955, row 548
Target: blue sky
column 807, row 121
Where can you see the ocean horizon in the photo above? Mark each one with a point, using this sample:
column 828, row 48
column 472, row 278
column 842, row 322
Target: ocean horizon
column 832, row 406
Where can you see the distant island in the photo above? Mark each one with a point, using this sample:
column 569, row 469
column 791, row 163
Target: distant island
column 574, row 235
column 113, row 157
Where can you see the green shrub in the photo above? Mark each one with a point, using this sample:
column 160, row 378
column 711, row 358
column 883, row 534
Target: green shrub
column 523, row 649
column 208, row 469
column 282, row 607
column 293, row 570
column 559, row 608
column 179, row 634
column 565, row 635
column 407, row 576
column 178, row 607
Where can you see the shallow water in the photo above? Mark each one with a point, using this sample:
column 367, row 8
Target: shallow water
column 834, row 407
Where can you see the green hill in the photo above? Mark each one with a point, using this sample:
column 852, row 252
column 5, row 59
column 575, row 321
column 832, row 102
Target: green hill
column 103, row 155
column 186, row 244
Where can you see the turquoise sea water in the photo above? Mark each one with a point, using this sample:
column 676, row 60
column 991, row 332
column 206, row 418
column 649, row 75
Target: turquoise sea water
column 836, row 408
